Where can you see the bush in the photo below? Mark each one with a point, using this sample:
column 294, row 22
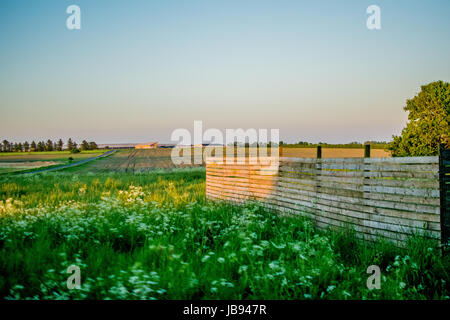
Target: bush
column 428, row 126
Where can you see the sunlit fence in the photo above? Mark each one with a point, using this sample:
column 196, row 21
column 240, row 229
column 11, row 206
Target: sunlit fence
column 392, row 198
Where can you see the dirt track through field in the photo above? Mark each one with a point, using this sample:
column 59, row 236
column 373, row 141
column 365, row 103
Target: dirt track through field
column 131, row 161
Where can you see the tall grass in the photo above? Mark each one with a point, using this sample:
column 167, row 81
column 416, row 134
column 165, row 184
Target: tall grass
column 154, row 236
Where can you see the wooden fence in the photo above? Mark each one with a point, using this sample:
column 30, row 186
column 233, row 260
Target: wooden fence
column 444, row 179
column 379, row 197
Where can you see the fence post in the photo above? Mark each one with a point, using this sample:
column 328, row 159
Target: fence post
column 318, row 174
column 367, row 151
column 366, row 173
column 444, row 160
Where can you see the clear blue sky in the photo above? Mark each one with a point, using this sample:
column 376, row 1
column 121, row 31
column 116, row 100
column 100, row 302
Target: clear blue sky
column 137, row 70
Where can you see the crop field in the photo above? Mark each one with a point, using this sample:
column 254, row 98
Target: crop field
column 13, row 162
column 151, row 234
column 16, row 166
column 47, row 155
column 8, row 170
column 131, row 161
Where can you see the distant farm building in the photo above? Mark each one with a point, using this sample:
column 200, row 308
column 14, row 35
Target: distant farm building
column 166, row 145
column 149, row 145
column 116, row 146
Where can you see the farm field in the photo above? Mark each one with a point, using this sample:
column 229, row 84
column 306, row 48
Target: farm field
column 153, row 235
column 47, row 155
column 7, row 170
column 15, row 162
column 131, row 160
column 16, row 166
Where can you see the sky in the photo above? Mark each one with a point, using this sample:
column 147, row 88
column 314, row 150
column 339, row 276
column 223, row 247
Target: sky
column 138, row 70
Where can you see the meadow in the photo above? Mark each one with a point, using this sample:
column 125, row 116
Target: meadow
column 48, row 155
column 152, row 235
column 14, row 162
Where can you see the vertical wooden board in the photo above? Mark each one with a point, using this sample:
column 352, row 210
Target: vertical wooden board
column 444, row 188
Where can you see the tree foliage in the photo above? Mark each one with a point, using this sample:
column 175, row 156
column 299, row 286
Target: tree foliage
column 60, row 145
column 428, row 122
column 84, row 145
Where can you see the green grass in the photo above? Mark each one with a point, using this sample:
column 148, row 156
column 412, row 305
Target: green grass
column 154, row 236
column 56, row 153
column 32, row 158
column 8, row 170
column 55, row 156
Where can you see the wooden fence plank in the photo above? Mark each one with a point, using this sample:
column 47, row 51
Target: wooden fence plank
column 405, row 160
column 402, row 174
column 348, row 219
column 361, row 207
column 431, row 193
column 402, row 198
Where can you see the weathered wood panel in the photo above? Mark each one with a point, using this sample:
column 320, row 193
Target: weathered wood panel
column 379, row 197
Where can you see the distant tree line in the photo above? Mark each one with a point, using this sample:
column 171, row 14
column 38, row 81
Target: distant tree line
column 351, row 145
column 304, row 144
column 72, row 146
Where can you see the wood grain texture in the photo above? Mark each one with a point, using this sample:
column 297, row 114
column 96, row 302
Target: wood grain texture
column 390, row 198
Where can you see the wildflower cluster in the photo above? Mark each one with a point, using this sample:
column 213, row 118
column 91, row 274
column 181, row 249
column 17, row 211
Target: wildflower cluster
column 153, row 236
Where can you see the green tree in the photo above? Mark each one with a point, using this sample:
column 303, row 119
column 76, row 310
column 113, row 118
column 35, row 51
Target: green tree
column 5, row 145
column 69, row 144
column 93, row 145
column 59, row 145
column 33, row 147
column 74, row 148
column 26, row 146
column 49, row 145
column 428, row 125
column 84, row 145
column 41, row 146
